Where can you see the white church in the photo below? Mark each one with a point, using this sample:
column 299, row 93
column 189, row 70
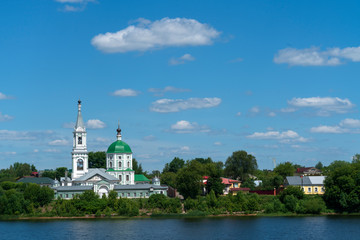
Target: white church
column 118, row 175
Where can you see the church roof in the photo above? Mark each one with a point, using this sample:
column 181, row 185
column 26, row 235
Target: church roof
column 79, row 120
column 37, row 180
column 119, row 146
column 141, row 178
column 73, row 188
column 139, row 187
column 96, row 171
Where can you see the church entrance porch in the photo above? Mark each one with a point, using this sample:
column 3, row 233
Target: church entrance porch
column 103, row 190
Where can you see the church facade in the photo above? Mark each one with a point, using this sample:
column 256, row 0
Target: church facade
column 118, row 175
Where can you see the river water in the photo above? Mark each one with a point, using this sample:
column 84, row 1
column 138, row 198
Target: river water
column 321, row 227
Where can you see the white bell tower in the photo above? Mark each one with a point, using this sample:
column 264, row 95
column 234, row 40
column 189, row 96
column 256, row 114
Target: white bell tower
column 79, row 152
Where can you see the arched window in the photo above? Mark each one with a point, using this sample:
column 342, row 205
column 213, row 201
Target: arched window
column 110, row 164
column 80, row 164
column 119, row 164
column 127, row 178
column 128, row 164
column 79, row 140
column 119, row 157
column 120, row 178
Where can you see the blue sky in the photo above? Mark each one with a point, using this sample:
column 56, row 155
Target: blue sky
column 277, row 79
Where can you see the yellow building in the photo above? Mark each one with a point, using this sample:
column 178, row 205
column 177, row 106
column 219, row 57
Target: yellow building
column 309, row 184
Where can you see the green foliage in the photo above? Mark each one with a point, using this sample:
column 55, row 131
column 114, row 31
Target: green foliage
column 58, row 173
column 17, row 170
column 174, row 166
column 285, row 169
column 248, row 183
column 137, row 167
column 214, row 184
column 342, row 186
column 189, row 182
column 169, row 178
column 319, row 166
column 311, row 205
column 127, row 207
column 97, row 160
column 240, row 164
column 167, row 205
column 293, row 191
column 290, row 202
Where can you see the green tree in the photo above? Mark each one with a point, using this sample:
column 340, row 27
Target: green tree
column 97, row 160
column 319, row 165
column 240, row 164
column 342, row 186
column 174, row 166
column 285, row 169
column 137, row 167
column 169, row 178
column 189, row 182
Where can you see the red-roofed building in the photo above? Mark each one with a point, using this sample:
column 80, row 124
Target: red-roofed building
column 231, row 185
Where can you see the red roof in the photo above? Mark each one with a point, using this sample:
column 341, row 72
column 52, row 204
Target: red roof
column 228, row 181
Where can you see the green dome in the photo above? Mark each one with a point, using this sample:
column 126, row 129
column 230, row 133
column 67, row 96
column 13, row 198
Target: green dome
column 119, row 147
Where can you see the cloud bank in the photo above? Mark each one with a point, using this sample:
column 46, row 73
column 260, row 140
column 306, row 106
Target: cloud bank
column 176, row 105
column 147, row 35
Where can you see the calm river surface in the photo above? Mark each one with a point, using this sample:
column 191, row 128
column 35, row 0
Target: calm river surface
column 330, row 227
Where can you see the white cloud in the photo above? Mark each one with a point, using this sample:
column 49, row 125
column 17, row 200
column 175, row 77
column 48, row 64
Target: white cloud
column 52, row 150
column 162, row 91
column 325, row 105
column 315, row 57
column 288, row 110
column 272, row 114
column 176, row 105
column 59, row 142
column 350, row 123
column 149, row 138
column 238, row 114
column 74, row 5
column 3, row 96
column 125, row 93
column 147, row 35
column 7, row 153
column 36, row 150
column 217, row 143
column 9, row 135
column 188, row 127
column 185, row 148
column 4, row 117
column 254, row 110
column 286, row 136
column 327, row 129
column 347, row 125
column 181, row 60
column 95, row 124
column 69, row 125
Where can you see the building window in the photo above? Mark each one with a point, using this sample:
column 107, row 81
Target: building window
column 147, row 194
column 67, row 195
column 120, row 178
column 123, row 194
column 119, row 164
column 309, row 189
column 161, row 192
column 316, row 189
column 128, row 157
column 322, row 189
column 110, row 156
column 61, row 195
column 110, row 165
column 119, row 157
column 128, row 164
column 128, row 194
column 141, row 194
column 127, row 177
column 72, row 195
column 79, row 140
column 135, row 194
column 80, row 164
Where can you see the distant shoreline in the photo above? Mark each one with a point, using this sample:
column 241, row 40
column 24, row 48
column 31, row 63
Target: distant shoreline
column 92, row 216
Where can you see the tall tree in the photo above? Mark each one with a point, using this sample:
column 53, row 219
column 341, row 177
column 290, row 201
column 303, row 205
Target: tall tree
column 174, row 166
column 97, row 160
column 137, row 167
column 285, row 169
column 189, row 182
column 240, row 164
column 319, row 165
